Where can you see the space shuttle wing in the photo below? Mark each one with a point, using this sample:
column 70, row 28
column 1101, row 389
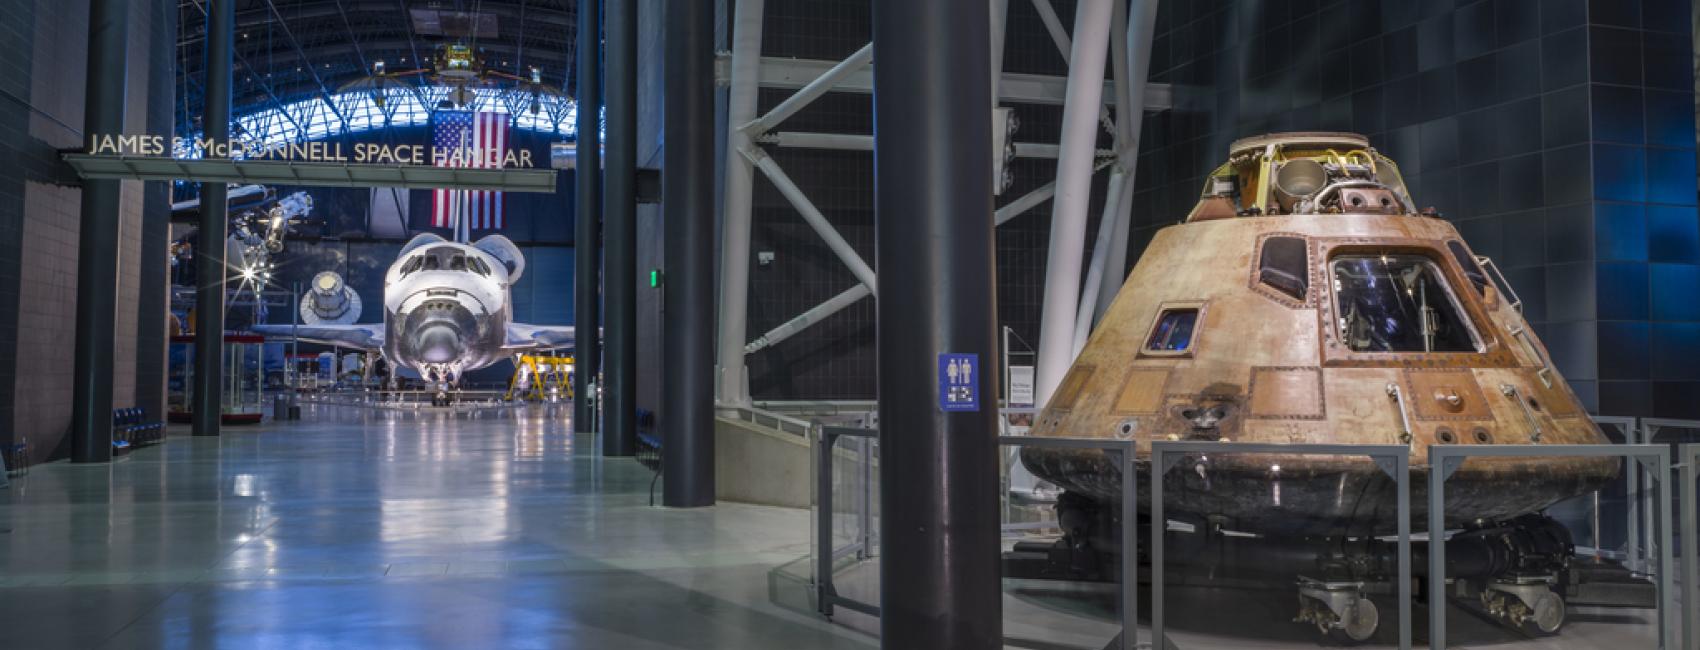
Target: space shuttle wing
column 367, row 336
column 525, row 336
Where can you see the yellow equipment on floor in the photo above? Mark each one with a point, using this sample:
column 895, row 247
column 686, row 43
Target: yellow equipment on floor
column 540, row 378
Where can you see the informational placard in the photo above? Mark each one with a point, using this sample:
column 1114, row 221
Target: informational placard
column 1021, row 386
column 959, row 382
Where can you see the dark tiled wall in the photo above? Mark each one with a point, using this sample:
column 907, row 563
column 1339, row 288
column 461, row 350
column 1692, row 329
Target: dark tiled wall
column 1557, row 134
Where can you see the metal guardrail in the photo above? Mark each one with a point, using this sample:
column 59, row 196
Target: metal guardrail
column 1646, row 431
column 1446, row 459
column 1392, row 459
column 769, row 419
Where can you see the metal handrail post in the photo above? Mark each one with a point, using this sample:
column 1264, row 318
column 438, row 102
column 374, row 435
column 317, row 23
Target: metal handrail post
column 1688, row 474
column 1629, row 426
column 867, row 511
column 1130, row 545
column 823, row 523
column 1649, row 431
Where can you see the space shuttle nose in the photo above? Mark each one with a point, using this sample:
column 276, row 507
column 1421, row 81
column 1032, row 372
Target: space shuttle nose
column 438, row 343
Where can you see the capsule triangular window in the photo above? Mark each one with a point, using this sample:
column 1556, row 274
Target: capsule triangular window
column 1285, row 266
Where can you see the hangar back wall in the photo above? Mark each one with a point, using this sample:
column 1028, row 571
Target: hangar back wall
column 41, row 112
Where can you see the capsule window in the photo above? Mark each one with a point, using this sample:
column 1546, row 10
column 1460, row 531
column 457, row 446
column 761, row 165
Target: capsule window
column 1174, row 331
column 1472, row 270
column 1397, row 303
column 1284, row 265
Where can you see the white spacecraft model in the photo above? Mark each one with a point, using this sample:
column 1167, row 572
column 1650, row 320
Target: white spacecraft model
column 447, row 310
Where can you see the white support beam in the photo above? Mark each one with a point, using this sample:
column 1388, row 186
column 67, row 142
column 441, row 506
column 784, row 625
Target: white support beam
column 811, row 91
column 845, row 252
column 813, row 315
column 1027, row 202
column 1053, row 24
column 858, row 142
column 730, row 384
column 1083, row 319
column 1141, row 26
column 1014, row 88
column 1074, row 193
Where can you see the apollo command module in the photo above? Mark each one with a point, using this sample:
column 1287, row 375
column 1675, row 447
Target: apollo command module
column 1305, row 299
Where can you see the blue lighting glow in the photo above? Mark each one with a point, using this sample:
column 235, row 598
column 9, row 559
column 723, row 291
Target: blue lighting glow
column 356, row 111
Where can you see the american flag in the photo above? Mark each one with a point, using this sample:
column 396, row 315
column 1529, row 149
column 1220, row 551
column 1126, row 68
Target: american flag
column 467, row 139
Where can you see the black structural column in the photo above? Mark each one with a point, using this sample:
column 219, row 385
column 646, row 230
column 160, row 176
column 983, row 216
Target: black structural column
column 687, row 204
column 619, row 437
column 97, row 242
column 208, row 398
column 939, row 573
column 587, row 237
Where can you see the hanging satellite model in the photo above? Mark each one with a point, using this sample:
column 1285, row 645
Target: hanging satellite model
column 460, row 69
column 330, row 301
column 1306, row 300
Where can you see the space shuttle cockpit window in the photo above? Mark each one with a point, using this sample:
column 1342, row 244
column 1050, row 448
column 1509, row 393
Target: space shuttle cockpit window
column 457, row 263
column 412, row 265
column 1397, row 303
column 478, row 266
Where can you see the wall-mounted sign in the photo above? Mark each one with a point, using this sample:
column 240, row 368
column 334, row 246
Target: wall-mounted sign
column 1021, row 386
column 334, row 152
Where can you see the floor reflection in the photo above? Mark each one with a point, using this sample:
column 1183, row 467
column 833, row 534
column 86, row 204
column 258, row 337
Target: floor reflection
column 361, row 527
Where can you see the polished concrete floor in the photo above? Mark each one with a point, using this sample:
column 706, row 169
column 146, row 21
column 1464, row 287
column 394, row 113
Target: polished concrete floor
column 364, row 528
column 356, row 528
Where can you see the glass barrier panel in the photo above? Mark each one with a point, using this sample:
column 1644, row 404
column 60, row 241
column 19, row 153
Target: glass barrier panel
column 1523, row 569
column 1062, row 589
column 1284, row 549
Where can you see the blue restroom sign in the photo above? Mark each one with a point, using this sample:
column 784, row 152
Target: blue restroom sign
column 959, row 382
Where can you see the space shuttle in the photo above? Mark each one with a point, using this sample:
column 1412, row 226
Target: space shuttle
column 447, row 310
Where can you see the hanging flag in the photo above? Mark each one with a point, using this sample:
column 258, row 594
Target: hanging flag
column 474, row 140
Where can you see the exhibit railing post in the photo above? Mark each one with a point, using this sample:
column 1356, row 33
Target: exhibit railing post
column 1629, row 426
column 1690, row 472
